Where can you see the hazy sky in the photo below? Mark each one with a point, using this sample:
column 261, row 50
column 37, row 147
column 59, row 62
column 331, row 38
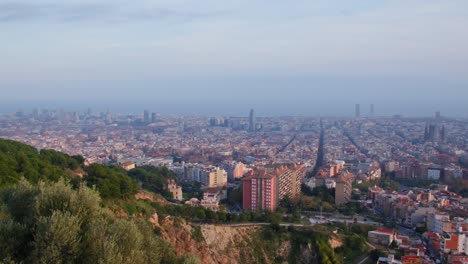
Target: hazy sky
column 222, row 57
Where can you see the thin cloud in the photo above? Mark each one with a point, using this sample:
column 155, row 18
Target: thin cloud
column 19, row 12
column 104, row 12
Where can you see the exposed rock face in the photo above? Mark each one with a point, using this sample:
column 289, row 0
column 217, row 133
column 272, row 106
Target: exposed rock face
column 229, row 245
column 306, row 255
column 284, row 250
column 154, row 220
column 335, row 242
column 179, row 236
column 142, row 195
column 121, row 214
column 221, row 244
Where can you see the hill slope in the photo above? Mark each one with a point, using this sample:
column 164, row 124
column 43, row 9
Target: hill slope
column 50, row 215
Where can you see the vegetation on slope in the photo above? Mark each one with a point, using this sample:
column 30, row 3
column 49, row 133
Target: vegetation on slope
column 53, row 223
column 50, row 215
column 153, row 178
column 111, row 181
column 19, row 160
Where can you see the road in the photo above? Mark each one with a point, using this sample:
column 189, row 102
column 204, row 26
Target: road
column 320, row 151
column 364, row 260
column 267, row 224
column 287, row 145
column 340, row 220
column 360, row 260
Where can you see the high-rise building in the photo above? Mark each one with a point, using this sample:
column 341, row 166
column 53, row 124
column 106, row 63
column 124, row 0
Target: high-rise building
column 263, row 188
column 146, row 117
column 343, row 188
column 235, row 170
column 238, row 171
column 357, row 110
column 437, row 115
column 154, row 116
column 434, row 133
column 214, row 177
column 372, row 110
column 218, row 121
column 259, row 191
column 289, row 180
column 252, row 124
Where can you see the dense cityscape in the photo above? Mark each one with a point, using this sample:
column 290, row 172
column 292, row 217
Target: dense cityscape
column 233, row 132
column 406, row 176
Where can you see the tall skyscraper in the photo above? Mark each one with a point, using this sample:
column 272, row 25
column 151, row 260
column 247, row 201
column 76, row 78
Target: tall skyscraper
column 153, row 117
column 146, row 117
column 372, row 110
column 358, row 110
column 435, row 133
column 437, row 115
column 252, row 121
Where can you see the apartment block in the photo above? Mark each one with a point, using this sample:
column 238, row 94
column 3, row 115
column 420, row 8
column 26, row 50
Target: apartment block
column 343, row 188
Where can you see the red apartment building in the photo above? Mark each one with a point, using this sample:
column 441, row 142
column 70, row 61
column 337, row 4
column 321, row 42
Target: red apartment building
column 263, row 188
column 259, row 191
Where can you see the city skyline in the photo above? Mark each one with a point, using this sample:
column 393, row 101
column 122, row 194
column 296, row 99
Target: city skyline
column 149, row 113
column 162, row 131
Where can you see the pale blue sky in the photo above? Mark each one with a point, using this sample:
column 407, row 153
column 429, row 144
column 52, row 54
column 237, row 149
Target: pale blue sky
column 209, row 56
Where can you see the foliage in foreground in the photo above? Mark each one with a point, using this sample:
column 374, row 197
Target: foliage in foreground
column 153, row 178
column 52, row 223
column 19, row 160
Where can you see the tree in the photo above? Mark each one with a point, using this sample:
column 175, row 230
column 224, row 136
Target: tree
column 393, row 245
column 57, row 238
column 14, row 238
column 111, row 182
column 375, row 254
column 19, row 160
column 53, row 223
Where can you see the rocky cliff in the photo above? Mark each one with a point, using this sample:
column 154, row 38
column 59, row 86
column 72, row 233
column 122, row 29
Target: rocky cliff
column 239, row 244
column 215, row 244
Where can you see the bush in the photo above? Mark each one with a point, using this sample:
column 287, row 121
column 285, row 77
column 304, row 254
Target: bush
column 112, row 182
column 52, row 223
column 375, row 254
column 197, row 234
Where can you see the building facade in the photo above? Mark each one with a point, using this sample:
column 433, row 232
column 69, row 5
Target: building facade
column 252, row 124
column 263, row 188
column 259, row 192
column 175, row 190
column 343, row 188
column 214, row 177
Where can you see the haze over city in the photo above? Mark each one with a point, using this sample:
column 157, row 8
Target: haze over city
column 235, row 131
column 315, row 58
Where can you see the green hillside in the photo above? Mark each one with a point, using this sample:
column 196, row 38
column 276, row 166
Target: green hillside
column 19, row 160
column 50, row 215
